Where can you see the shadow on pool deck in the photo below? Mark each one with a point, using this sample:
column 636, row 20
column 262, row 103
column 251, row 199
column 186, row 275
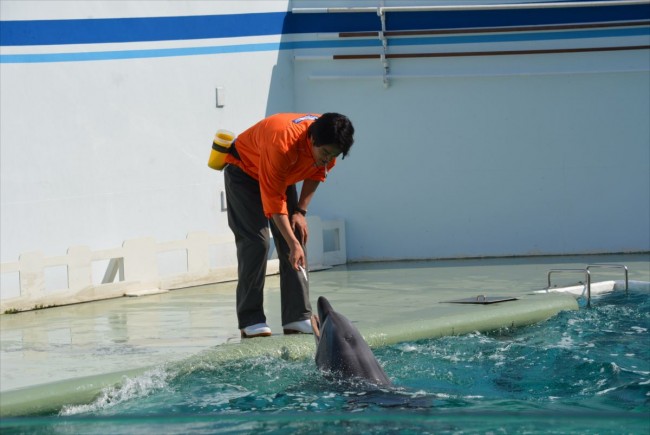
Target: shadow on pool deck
column 383, row 299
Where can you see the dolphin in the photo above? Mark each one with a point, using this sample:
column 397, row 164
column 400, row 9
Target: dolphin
column 341, row 349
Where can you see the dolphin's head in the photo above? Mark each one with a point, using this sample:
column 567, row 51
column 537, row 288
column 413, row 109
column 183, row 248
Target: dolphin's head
column 341, row 348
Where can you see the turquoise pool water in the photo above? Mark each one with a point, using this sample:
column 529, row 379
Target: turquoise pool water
column 585, row 371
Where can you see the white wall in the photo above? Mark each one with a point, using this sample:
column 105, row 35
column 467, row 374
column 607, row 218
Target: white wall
column 495, row 155
column 97, row 152
column 539, row 154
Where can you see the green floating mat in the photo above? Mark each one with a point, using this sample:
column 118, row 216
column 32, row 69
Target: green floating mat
column 521, row 312
column 52, row 397
column 481, row 300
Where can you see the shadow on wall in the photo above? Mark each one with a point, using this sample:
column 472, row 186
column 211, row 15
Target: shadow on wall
column 281, row 88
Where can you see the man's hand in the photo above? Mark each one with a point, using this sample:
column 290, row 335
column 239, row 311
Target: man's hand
column 296, row 253
column 299, row 227
column 296, row 256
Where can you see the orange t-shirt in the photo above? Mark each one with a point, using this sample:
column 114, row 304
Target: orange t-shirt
column 277, row 152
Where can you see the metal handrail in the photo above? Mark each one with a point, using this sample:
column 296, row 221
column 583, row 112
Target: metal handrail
column 587, row 279
column 612, row 266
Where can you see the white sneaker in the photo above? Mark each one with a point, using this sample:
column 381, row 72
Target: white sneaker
column 301, row 326
column 257, row 330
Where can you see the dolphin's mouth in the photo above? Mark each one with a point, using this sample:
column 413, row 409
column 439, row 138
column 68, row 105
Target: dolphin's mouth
column 324, row 309
column 315, row 325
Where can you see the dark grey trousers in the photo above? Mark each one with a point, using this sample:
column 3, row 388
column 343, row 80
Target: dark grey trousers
column 251, row 228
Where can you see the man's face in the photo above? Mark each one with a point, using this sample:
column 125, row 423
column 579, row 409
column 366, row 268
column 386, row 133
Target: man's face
column 325, row 154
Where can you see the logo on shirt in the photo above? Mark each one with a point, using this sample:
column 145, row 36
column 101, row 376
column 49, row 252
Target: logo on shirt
column 304, row 118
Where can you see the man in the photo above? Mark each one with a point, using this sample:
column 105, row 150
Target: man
column 265, row 163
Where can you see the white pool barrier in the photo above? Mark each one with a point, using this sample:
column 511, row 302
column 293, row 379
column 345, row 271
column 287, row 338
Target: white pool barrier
column 144, row 266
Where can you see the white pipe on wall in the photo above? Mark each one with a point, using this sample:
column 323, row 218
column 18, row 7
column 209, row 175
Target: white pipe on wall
column 382, row 9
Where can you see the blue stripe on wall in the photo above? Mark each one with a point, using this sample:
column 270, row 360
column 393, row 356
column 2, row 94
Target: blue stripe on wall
column 107, row 30
column 524, row 36
column 514, row 17
column 356, row 43
column 173, row 52
column 97, row 31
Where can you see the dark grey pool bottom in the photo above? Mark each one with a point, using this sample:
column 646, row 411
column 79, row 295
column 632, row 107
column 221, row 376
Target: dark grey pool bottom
column 444, row 320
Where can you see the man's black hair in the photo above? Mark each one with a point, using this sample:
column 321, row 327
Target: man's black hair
column 333, row 129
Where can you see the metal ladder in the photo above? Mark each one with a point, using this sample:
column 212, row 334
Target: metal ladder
column 587, row 273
